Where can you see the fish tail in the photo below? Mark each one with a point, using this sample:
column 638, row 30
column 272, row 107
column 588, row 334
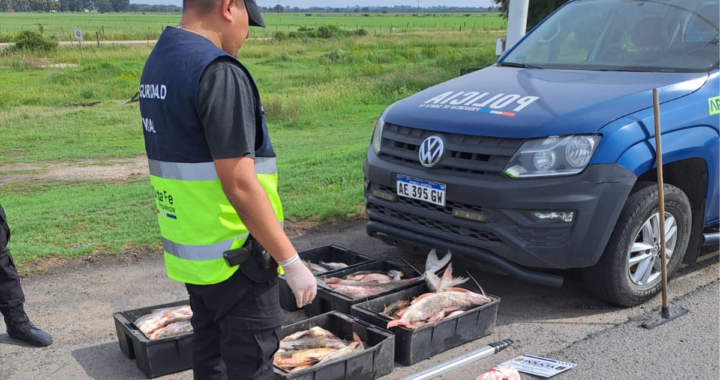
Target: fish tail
column 433, row 264
column 459, row 280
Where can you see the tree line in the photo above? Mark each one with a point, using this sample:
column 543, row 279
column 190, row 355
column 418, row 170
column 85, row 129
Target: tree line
column 537, row 11
column 125, row 6
column 64, row 5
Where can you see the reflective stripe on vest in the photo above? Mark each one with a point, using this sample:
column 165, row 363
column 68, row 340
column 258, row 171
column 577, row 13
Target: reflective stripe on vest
column 202, row 252
column 199, row 252
column 204, row 171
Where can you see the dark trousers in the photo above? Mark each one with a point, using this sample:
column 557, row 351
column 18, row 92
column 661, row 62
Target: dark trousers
column 11, row 294
column 236, row 327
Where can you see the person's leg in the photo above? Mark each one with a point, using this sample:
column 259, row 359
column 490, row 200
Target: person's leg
column 207, row 361
column 251, row 332
column 12, row 298
column 11, row 294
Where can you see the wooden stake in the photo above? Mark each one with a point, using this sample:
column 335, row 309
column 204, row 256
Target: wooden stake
column 666, row 313
column 661, row 195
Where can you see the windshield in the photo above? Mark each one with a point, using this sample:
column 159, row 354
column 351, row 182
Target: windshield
column 624, row 35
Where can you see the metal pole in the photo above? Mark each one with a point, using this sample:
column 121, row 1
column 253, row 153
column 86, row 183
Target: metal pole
column 517, row 21
column 661, row 199
column 453, row 364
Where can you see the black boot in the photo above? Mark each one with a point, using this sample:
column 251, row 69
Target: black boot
column 19, row 327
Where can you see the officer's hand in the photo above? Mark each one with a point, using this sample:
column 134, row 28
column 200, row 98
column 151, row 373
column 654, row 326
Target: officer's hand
column 300, row 280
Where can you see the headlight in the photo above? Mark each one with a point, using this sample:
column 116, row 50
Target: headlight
column 553, row 156
column 377, row 134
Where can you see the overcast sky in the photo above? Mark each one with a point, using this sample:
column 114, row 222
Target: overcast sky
column 345, row 3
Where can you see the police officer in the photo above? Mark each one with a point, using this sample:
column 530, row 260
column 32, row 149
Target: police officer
column 214, row 176
column 12, row 298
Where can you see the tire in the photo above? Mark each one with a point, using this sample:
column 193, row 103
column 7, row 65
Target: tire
column 610, row 279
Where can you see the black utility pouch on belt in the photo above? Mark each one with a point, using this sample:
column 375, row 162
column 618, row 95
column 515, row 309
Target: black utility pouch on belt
column 254, row 261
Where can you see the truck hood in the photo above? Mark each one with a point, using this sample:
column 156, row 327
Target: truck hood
column 526, row 103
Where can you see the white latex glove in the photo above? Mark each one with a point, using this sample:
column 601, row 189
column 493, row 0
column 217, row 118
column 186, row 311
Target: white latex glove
column 300, row 280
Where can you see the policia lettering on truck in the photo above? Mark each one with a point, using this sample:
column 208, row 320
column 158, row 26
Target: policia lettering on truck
column 474, row 101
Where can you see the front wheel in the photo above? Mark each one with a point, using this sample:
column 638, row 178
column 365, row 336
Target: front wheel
column 629, row 271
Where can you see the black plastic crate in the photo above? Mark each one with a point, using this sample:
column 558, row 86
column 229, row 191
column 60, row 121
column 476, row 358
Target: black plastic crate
column 375, row 361
column 157, row 357
column 328, row 300
column 328, row 254
column 412, row 346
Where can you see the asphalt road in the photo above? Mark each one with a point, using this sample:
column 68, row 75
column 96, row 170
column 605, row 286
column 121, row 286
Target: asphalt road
column 76, row 303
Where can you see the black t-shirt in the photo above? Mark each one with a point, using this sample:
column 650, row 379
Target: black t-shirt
column 226, row 106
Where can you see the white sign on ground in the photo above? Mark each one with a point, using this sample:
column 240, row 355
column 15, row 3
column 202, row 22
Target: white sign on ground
column 538, row 366
column 78, row 33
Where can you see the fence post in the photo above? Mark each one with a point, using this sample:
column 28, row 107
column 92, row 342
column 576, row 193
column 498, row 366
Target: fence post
column 97, row 35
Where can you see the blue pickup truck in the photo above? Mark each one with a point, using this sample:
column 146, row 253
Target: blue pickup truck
column 545, row 161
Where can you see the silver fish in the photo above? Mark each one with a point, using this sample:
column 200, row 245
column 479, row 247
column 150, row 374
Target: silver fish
column 316, row 269
column 333, row 266
column 429, row 305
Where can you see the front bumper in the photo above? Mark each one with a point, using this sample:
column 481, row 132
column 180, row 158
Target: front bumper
column 597, row 196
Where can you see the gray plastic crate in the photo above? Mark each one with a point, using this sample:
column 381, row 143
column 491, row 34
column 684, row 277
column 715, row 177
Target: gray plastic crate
column 154, row 358
column 412, row 346
column 375, row 361
column 328, row 300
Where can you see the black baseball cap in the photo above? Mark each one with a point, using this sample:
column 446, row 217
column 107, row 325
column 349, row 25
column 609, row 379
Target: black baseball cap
column 254, row 13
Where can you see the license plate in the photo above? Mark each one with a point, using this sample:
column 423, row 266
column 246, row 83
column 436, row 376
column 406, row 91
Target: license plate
column 421, row 190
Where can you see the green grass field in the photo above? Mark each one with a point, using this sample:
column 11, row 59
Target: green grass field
column 321, row 98
column 132, row 26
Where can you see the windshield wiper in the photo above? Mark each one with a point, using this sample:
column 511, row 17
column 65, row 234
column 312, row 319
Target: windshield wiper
column 642, row 70
column 521, row 65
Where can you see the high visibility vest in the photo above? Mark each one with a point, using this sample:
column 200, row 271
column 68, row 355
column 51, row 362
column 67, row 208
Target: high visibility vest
column 197, row 221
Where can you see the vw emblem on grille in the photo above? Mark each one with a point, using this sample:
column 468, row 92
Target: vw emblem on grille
column 431, row 150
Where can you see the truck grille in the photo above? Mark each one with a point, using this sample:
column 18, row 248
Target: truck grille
column 551, row 236
column 463, row 153
column 434, row 225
